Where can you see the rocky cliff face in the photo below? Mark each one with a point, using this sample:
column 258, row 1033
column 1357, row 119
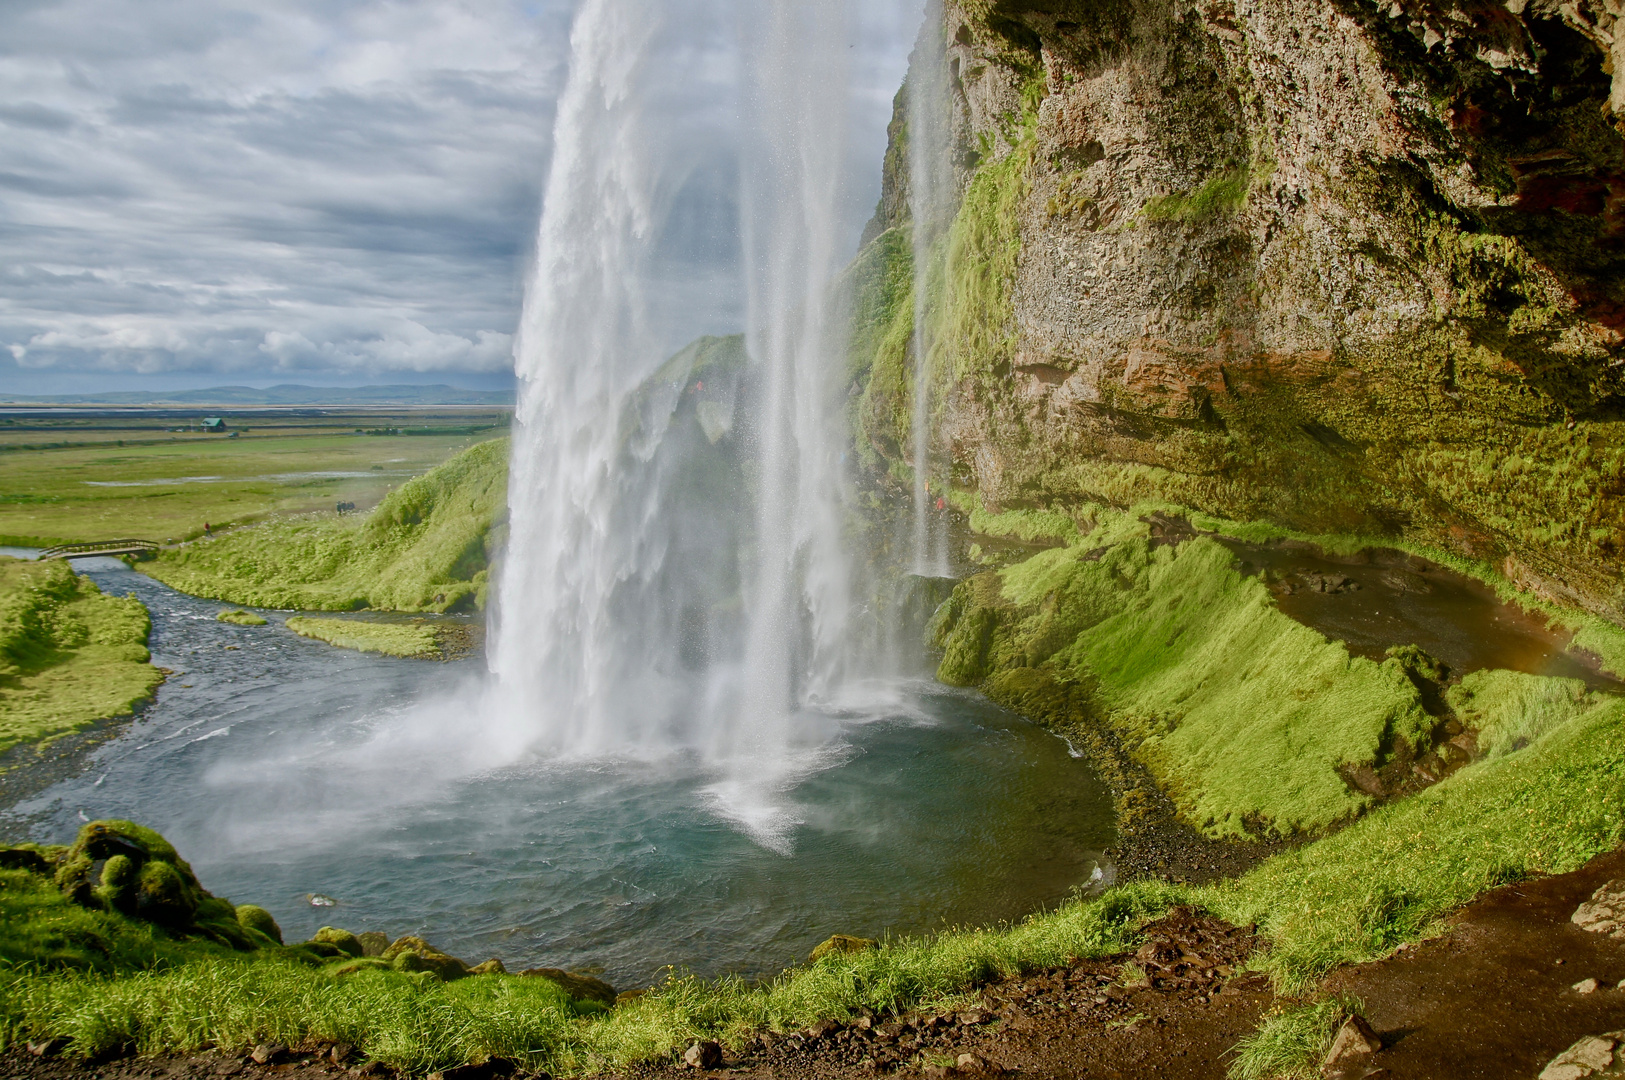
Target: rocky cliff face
column 1345, row 266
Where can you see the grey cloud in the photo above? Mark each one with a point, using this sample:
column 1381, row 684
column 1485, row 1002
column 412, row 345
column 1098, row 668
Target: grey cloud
column 33, row 115
column 332, row 186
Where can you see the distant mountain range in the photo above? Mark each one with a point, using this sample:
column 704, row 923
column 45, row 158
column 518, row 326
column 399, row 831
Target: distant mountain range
column 280, row 395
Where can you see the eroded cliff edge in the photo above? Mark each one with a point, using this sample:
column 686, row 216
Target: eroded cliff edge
column 1346, row 267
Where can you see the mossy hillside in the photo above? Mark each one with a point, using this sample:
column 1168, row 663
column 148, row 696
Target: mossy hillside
column 1245, row 716
column 391, row 639
column 70, row 655
column 1388, row 878
column 1461, row 391
column 425, row 548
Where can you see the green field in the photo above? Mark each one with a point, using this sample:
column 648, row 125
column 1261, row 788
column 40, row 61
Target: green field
column 66, row 482
column 69, row 654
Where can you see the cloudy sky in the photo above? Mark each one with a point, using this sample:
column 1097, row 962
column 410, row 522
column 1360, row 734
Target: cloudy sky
column 198, row 192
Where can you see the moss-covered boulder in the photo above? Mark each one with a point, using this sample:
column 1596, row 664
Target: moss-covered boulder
column 840, row 945
column 411, row 953
column 342, row 940
column 147, row 877
column 578, row 984
column 256, row 919
column 373, row 943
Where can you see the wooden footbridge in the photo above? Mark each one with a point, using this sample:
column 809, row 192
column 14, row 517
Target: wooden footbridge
column 99, row 547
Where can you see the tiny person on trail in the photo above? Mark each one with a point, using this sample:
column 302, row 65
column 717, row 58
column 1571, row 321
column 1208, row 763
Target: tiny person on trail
column 205, row 528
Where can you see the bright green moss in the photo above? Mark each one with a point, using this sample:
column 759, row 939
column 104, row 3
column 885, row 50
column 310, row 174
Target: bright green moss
column 69, row 655
column 242, row 618
column 1222, row 193
column 976, row 333
column 1243, row 714
column 1510, row 710
column 391, row 639
column 423, row 549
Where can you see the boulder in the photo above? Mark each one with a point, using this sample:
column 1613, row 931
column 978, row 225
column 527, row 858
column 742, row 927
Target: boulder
column 1604, row 913
column 373, row 943
column 153, row 881
column 578, row 984
column 492, row 966
column 839, row 945
column 342, row 940
column 1592, row 1056
column 255, row 918
column 412, row 953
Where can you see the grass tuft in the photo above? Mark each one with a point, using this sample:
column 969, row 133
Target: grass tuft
column 391, row 639
column 1291, row 1042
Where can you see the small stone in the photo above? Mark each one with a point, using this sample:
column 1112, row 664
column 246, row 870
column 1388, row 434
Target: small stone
column 973, row 1063
column 972, row 1018
column 265, row 1053
column 340, row 1053
column 703, row 1055
column 1354, row 1040
column 1585, row 986
column 47, row 1047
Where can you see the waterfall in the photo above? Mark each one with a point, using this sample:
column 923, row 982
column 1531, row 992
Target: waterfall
column 582, row 348
column 635, row 617
column 931, row 203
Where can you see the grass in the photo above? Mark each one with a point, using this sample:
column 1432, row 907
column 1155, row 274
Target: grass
column 1391, row 876
column 1510, row 710
column 425, row 548
column 69, row 654
column 1223, row 192
column 242, row 618
column 1291, row 1042
column 391, row 639
column 1244, row 715
column 162, row 487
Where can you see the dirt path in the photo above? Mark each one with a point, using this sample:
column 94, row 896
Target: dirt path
column 1491, row 998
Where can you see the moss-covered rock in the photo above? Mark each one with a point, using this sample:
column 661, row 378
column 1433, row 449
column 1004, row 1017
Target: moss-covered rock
column 580, row 985
column 255, row 918
column 413, row 954
column 342, row 940
column 840, row 945
column 1210, row 272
